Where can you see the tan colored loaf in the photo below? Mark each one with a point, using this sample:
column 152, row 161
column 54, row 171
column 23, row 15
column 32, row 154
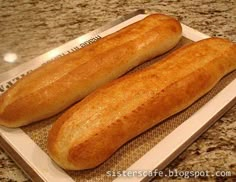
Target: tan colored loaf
column 58, row 84
column 93, row 129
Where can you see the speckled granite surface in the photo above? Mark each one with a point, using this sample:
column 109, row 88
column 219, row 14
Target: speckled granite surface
column 30, row 28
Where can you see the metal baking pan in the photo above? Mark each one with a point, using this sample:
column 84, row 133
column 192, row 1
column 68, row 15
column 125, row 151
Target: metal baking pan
column 37, row 164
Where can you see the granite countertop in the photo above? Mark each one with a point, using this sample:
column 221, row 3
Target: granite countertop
column 30, row 28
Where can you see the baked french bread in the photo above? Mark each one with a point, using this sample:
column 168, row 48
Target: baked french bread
column 92, row 130
column 58, row 84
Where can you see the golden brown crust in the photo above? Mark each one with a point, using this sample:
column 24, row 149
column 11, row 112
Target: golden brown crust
column 58, row 84
column 95, row 128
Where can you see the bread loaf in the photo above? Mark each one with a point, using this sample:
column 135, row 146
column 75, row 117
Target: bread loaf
column 93, row 129
column 58, row 84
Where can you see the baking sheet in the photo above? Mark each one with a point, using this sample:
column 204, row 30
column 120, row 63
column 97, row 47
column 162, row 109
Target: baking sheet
column 35, row 160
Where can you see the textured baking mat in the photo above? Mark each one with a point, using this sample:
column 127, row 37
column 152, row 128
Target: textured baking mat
column 136, row 148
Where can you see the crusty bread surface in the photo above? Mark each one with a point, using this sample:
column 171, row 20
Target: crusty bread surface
column 93, row 129
column 60, row 83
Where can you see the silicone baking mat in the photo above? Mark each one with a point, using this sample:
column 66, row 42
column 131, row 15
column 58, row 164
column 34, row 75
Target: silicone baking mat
column 137, row 147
